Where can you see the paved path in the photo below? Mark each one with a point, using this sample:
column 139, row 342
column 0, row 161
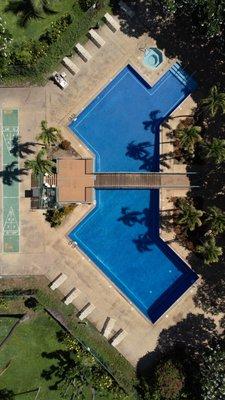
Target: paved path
column 10, row 181
column 141, row 180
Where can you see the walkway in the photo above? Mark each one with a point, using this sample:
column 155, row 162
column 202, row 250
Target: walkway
column 10, row 181
column 141, row 180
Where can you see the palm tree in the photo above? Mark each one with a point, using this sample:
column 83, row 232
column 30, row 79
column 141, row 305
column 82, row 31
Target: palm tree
column 189, row 137
column 215, row 102
column 210, row 251
column 216, row 218
column 49, row 135
column 215, row 150
column 29, row 9
column 40, row 165
column 189, row 215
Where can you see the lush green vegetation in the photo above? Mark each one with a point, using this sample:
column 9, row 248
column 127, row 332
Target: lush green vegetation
column 55, row 354
column 6, row 324
column 40, row 33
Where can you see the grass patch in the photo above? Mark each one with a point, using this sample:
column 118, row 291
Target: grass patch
column 24, row 349
column 6, row 324
column 36, row 27
column 106, row 355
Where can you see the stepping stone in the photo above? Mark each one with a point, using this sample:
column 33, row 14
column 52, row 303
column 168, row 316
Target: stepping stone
column 118, row 337
column 108, row 327
column 86, row 310
column 58, row 281
column 73, row 294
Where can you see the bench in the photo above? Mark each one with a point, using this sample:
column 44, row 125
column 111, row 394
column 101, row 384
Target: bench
column 83, row 53
column 108, row 327
column 58, row 281
column 111, row 22
column 96, row 38
column 70, row 66
column 71, row 296
column 86, row 310
column 118, row 337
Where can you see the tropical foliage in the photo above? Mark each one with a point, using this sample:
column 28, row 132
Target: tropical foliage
column 215, row 102
column 56, row 216
column 29, row 9
column 40, row 165
column 48, row 135
column 5, row 40
column 188, row 215
column 210, row 251
column 206, row 15
column 212, row 374
column 215, row 150
column 216, row 219
column 189, row 137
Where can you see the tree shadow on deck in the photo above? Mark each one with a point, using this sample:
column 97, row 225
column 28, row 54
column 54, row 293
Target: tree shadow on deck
column 12, row 173
column 21, row 149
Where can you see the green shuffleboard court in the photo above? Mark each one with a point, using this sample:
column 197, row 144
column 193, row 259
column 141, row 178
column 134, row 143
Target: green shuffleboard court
column 10, row 229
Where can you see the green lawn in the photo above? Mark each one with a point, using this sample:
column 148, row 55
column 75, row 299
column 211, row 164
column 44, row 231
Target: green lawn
column 6, row 324
column 36, row 27
column 24, row 349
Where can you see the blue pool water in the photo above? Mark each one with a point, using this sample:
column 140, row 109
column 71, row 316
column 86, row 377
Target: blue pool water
column 121, row 235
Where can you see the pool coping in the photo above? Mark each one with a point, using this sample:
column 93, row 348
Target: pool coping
column 137, row 70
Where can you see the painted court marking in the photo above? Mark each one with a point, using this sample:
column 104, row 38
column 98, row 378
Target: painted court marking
column 10, row 166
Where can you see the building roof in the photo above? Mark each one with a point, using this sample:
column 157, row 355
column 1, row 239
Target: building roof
column 75, row 180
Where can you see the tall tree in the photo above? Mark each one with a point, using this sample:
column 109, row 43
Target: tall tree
column 215, row 102
column 216, row 219
column 40, row 165
column 189, row 216
column 210, row 251
column 189, row 137
column 215, row 150
column 49, row 135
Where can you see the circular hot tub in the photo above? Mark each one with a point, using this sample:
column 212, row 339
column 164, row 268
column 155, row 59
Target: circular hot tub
column 153, row 57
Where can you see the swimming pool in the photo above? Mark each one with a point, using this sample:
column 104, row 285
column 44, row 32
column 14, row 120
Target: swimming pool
column 121, row 235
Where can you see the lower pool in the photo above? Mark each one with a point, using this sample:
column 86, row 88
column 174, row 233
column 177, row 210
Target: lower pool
column 121, row 235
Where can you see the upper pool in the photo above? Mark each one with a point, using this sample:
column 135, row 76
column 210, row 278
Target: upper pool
column 121, row 235
column 121, row 125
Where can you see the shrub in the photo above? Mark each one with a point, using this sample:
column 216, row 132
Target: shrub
column 56, row 216
column 56, row 29
column 31, row 302
column 65, row 144
column 169, row 380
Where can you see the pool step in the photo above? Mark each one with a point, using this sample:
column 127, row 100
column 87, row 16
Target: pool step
column 183, row 76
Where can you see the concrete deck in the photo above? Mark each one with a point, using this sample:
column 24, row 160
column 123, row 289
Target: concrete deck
column 44, row 250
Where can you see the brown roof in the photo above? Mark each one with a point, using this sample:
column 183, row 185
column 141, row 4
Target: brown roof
column 75, row 180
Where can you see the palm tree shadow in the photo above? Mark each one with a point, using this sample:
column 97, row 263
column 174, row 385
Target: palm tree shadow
column 21, row 149
column 59, row 370
column 11, row 173
column 154, row 122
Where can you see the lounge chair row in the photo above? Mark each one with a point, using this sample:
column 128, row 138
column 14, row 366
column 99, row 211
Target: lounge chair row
column 88, row 308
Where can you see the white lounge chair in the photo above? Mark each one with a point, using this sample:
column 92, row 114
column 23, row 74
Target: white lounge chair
column 70, row 66
column 118, row 338
column 60, row 80
column 86, row 310
column 58, row 281
column 108, row 327
column 126, row 8
column 83, row 53
column 73, row 294
column 96, row 38
column 111, row 22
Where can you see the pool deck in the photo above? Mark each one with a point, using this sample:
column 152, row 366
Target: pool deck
column 44, row 250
